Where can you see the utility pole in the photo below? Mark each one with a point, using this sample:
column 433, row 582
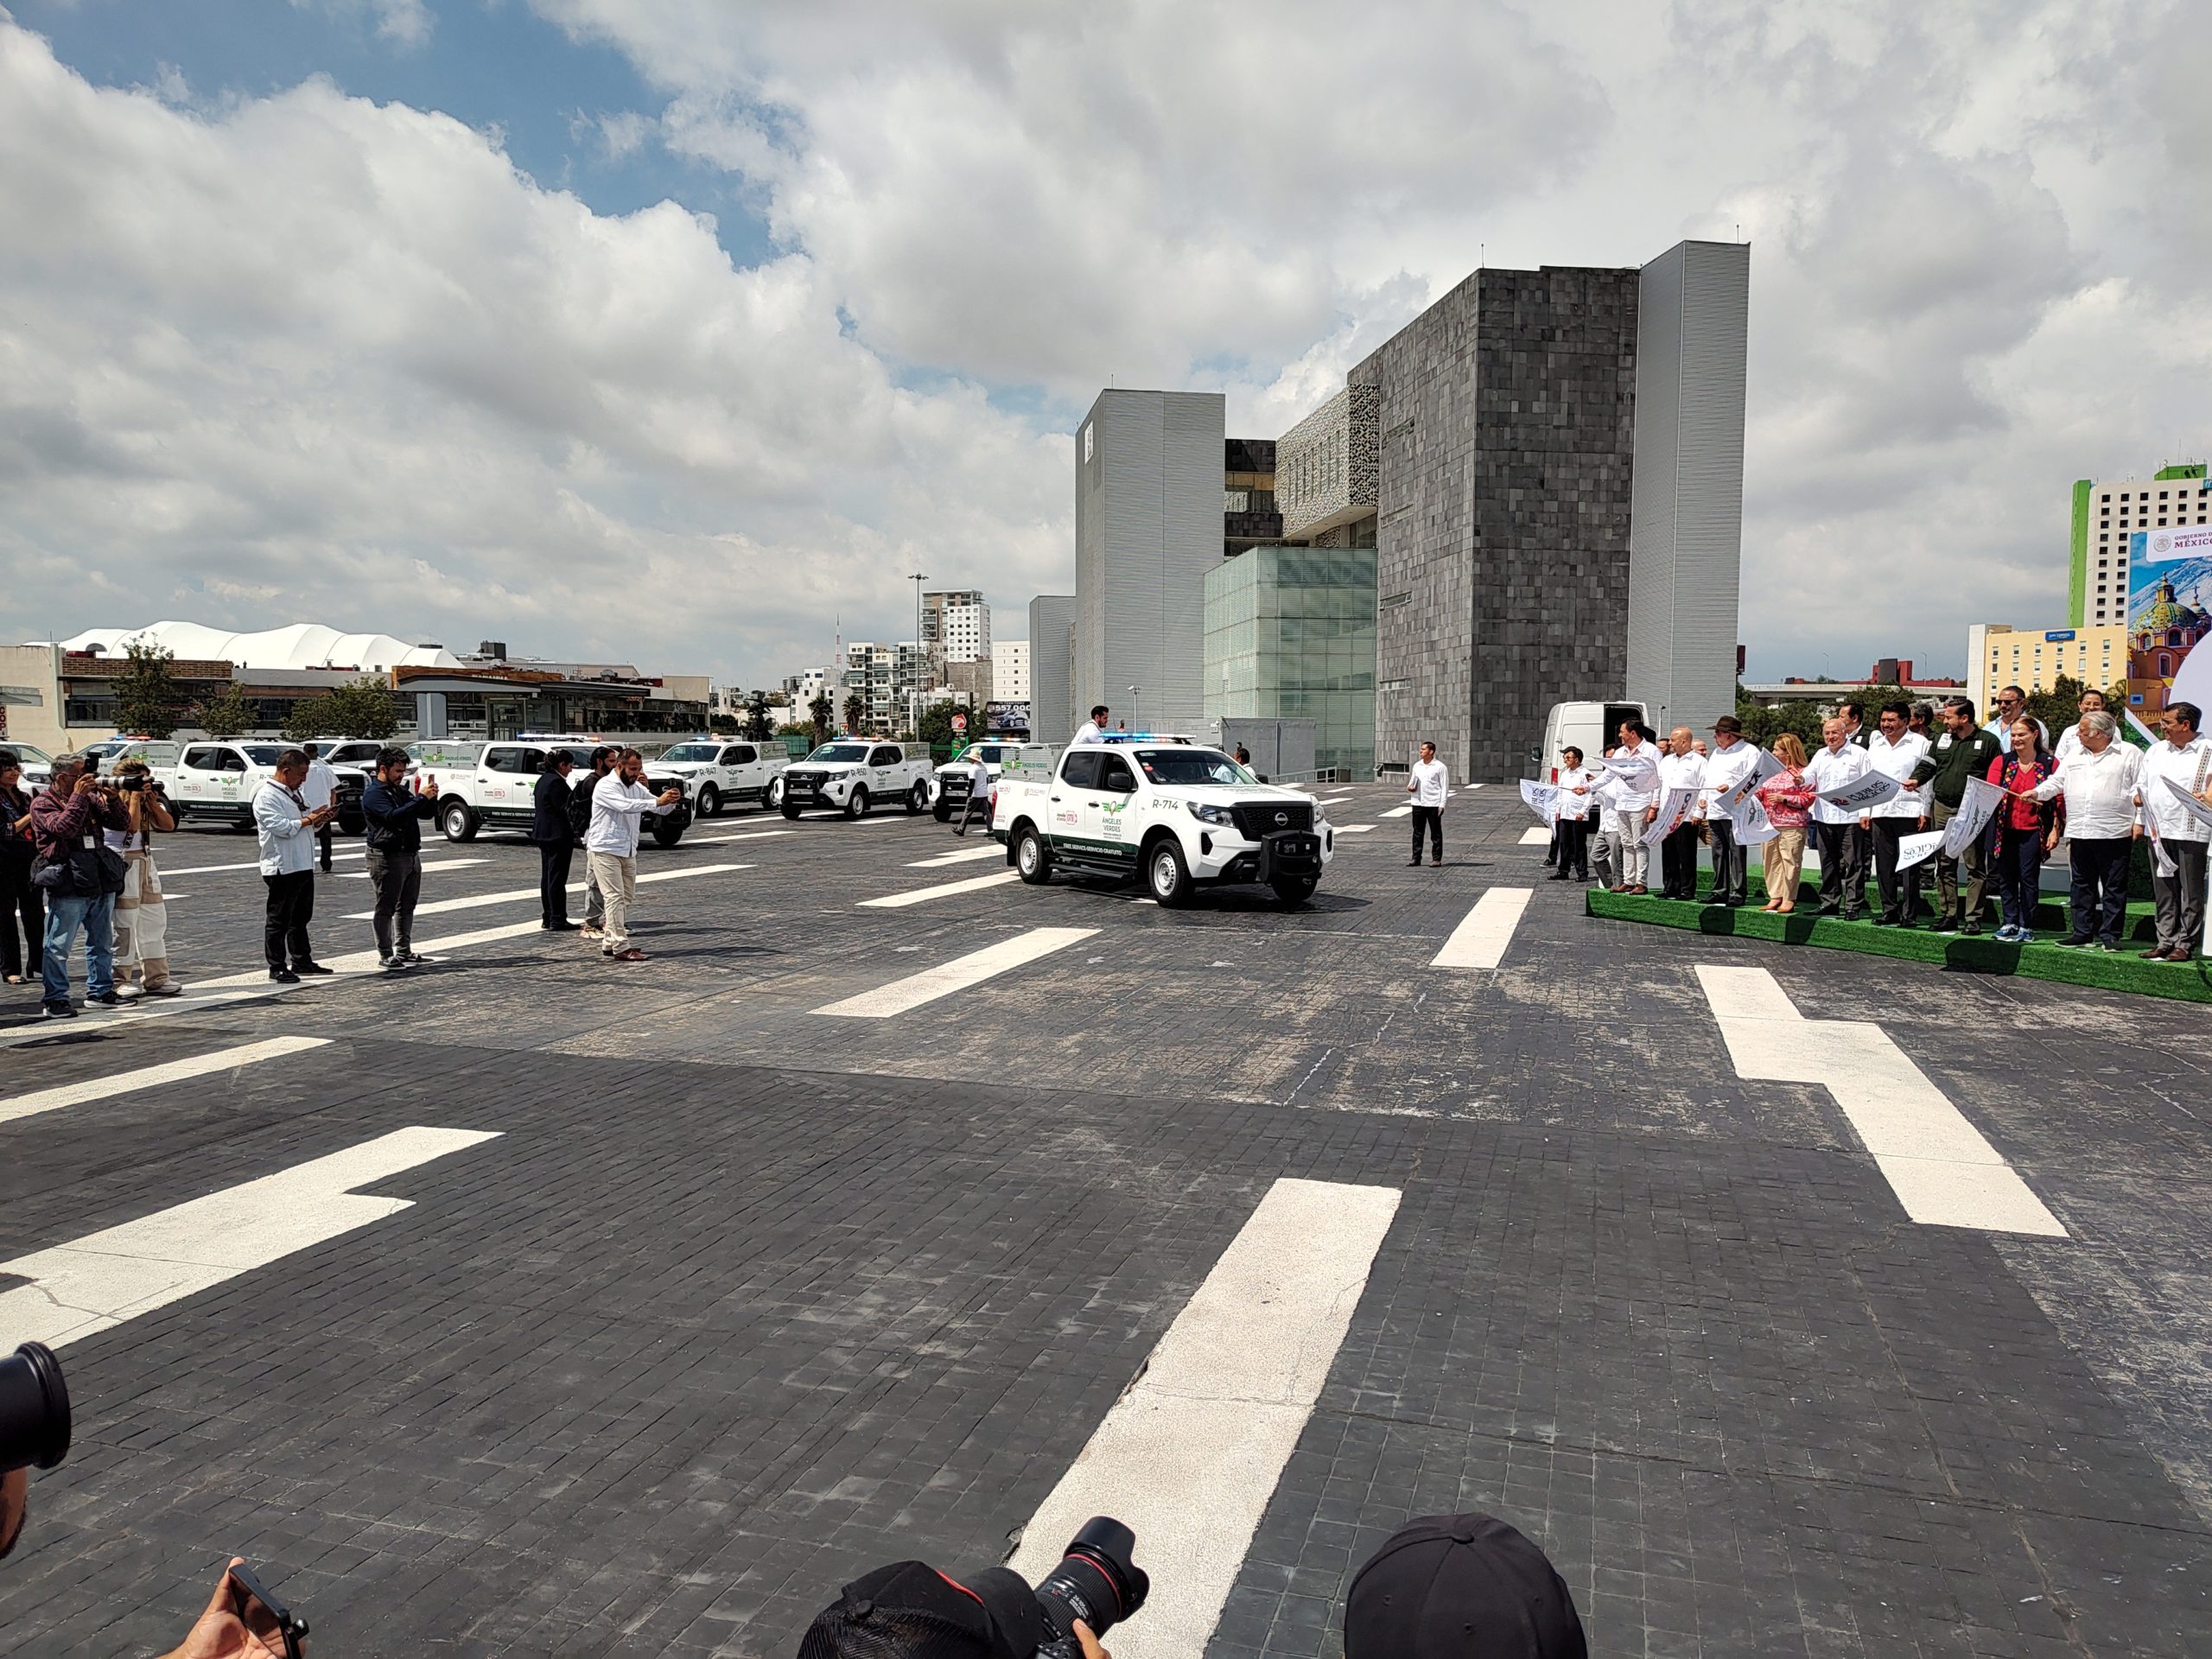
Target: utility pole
column 922, row 656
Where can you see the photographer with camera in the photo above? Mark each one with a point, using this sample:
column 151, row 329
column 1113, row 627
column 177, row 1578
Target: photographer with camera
column 18, row 956
column 79, row 878
column 142, row 927
column 910, row 1611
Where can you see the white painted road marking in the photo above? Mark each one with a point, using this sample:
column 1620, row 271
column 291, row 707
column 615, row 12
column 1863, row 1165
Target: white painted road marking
column 1398, row 812
column 151, row 1077
column 196, row 999
column 217, row 870
column 1942, row 1170
column 1480, row 939
column 1354, row 828
column 903, row 994
column 428, row 866
column 104, row 1278
column 1190, row 1455
column 724, row 840
column 942, row 890
column 516, row 895
column 356, row 963
column 965, row 856
column 1536, row 836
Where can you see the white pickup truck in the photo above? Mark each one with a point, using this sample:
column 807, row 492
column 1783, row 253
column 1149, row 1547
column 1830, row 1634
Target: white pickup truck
column 1168, row 812
column 494, row 785
column 213, row 779
column 854, row 773
column 950, row 786
column 720, row 770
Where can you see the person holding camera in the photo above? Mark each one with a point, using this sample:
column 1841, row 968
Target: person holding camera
column 19, row 954
column 393, row 832
column 619, row 803
column 285, row 825
column 67, row 819
column 142, row 927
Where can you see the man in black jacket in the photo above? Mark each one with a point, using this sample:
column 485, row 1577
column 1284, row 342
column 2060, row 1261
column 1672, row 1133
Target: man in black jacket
column 556, row 841
column 394, row 836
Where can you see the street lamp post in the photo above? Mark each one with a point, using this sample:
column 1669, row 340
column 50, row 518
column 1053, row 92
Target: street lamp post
column 921, row 648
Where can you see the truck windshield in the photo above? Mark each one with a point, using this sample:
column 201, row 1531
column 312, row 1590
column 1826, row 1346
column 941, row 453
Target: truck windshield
column 840, row 752
column 1183, row 767
column 262, row 755
column 693, row 751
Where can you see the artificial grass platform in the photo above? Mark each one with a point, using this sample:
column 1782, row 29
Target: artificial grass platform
column 2123, row 970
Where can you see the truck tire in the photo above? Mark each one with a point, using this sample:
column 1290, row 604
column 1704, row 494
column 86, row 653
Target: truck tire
column 710, row 801
column 943, row 810
column 1033, row 859
column 1166, row 875
column 917, row 800
column 667, row 833
column 1293, row 890
column 856, row 803
column 457, row 820
column 774, row 798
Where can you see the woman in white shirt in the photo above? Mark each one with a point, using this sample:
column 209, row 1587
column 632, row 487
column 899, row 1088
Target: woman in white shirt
column 142, row 927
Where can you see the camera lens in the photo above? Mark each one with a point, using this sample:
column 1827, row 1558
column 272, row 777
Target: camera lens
column 33, row 1409
column 1096, row 1580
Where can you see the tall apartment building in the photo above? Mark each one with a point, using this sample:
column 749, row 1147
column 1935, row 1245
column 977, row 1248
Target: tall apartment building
column 1010, row 670
column 1149, row 524
column 2104, row 515
column 891, row 680
column 957, row 624
column 1051, row 680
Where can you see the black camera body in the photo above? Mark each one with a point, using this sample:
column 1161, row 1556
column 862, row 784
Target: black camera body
column 1098, row 1581
column 33, row 1409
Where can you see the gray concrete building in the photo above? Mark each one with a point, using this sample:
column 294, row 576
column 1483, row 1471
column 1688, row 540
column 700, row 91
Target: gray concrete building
column 1686, row 518
column 1149, row 524
column 1051, row 688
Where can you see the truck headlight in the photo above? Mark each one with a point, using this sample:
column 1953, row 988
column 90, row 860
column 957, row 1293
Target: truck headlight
column 1205, row 814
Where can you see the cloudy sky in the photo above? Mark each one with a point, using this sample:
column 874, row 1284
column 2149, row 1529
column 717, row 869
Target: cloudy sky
column 674, row 332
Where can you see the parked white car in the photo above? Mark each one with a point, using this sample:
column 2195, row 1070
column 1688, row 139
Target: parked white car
column 720, row 770
column 215, row 780
column 950, row 786
column 494, row 785
column 854, row 773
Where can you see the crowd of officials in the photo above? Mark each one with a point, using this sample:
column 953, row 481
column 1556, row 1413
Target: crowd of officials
column 2092, row 790
column 78, row 859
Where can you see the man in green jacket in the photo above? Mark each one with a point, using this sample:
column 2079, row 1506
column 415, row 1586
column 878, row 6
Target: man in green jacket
column 1963, row 752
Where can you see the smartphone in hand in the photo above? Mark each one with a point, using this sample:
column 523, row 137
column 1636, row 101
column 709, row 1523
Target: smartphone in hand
column 268, row 1620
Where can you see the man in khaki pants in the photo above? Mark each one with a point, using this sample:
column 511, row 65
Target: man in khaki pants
column 618, row 805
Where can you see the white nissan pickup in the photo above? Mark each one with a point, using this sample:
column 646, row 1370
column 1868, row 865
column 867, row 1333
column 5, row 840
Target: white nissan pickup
column 854, row 773
column 1166, row 812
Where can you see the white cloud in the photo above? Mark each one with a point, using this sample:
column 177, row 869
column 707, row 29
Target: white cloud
column 405, row 23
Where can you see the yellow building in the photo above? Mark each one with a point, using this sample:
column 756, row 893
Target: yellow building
column 2000, row 655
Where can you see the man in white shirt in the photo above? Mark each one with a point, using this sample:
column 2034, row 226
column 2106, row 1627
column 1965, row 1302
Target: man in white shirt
column 2186, row 756
column 1732, row 761
column 2092, row 701
column 1843, row 873
column 2099, row 782
column 1681, row 766
column 1576, row 804
column 1429, row 786
column 1094, row 730
column 320, row 790
column 1894, row 750
column 285, row 825
column 1635, row 766
column 618, row 805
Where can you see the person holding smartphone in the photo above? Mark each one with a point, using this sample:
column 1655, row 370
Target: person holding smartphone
column 286, row 826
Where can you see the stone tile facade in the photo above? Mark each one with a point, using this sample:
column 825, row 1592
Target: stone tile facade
column 1505, row 416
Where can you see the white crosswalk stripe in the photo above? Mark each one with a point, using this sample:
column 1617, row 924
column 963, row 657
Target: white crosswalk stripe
column 428, row 867
column 942, row 890
column 1942, row 1170
column 252, row 864
column 1535, row 836
column 516, row 895
column 99, row 1281
column 355, row 964
column 1354, row 828
column 966, row 856
column 1190, row 1455
column 1480, row 939
column 151, row 1077
column 903, row 995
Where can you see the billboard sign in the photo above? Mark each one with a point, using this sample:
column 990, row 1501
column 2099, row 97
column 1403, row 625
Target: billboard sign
column 1001, row 719
column 2169, row 612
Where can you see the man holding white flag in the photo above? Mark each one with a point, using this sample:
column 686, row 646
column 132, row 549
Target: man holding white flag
column 1895, row 752
column 2182, row 759
column 1835, row 775
column 1731, row 768
column 1635, row 766
column 1961, row 755
column 2098, row 781
column 1574, row 804
column 1681, row 770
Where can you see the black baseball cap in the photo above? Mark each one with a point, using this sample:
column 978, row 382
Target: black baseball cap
column 910, row 1611
column 1455, row 1587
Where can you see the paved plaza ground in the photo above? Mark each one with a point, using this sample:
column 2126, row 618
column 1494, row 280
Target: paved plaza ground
column 762, row 1262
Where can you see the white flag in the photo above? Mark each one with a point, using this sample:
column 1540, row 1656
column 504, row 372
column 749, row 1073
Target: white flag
column 1638, row 772
column 1753, row 827
column 1979, row 805
column 1746, row 787
column 1543, row 799
column 1861, row 793
column 2197, row 810
column 1672, row 811
column 1915, row 849
column 2161, row 861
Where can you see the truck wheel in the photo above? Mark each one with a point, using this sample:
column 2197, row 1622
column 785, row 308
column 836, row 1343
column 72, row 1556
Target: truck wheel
column 1166, row 875
column 457, row 820
column 857, row 804
column 943, row 810
column 917, row 799
column 667, row 834
column 1033, row 859
column 790, row 807
column 710, row 801
column 1293, row 890
column 774, row 798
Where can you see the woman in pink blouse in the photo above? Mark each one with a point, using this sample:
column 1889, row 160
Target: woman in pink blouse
column 1788, row 799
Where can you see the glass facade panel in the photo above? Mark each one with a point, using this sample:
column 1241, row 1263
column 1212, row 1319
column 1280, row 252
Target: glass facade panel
column 1290, row 634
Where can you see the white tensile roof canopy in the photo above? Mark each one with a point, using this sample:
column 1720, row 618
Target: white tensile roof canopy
column 303, row 645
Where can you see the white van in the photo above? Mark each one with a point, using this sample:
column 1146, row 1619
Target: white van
column 1589, row 727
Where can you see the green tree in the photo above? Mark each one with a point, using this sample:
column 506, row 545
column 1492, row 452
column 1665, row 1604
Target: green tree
column 229, row 714
column 756, row 709
column 819, row 712
column 724, row 726
column 855, row 711
column 148, row 702
column 937, row 727
column 361, row 708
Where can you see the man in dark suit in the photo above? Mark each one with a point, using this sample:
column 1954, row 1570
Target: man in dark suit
column 556, row 841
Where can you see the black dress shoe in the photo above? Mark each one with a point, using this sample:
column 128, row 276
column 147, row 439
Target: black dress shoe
column 57, row 1010
column 558, row 927
column 284, row 977
column 316, row 968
